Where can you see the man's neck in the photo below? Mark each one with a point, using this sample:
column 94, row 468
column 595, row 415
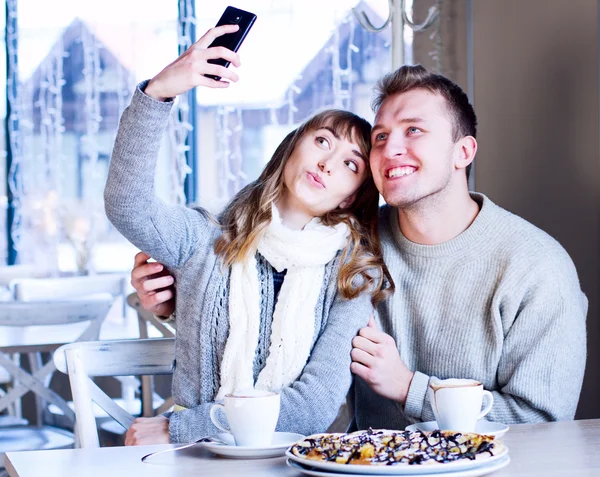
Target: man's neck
column 439, row 220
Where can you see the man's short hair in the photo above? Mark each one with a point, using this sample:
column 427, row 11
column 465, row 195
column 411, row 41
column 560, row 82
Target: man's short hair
column 407, row 78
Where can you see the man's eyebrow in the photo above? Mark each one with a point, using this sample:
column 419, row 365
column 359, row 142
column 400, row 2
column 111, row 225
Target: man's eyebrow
column 403, row 120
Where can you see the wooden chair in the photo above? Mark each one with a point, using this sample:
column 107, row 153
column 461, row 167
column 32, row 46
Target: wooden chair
column 57, row 288
column 147, row 323
column 36, row 289
column 83, row 361
column 9, row 273
column 29, row 329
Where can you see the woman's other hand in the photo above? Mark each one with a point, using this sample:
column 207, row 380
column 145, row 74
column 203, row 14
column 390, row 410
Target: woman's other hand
column 154, row 285
column 188, row 71
column 148, row 431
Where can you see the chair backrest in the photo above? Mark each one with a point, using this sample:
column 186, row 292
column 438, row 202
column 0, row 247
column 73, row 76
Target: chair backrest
column 19, row 315
column 11, row 272
column 85, row 360
column 35, row 289
column 146, row 318
column 56, row 312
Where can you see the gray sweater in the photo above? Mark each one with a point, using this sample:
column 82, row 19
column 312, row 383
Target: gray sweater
column 182, row 239
column 500, row 303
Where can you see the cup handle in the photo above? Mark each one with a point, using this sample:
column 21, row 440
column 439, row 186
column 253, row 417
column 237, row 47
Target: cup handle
column 488, row 399
column 431, row 393
column 215, row 420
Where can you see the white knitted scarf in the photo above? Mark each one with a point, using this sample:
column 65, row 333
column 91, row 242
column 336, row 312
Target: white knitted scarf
column 304, row 254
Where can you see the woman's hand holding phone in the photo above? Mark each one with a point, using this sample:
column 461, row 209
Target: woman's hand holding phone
column 188, row 71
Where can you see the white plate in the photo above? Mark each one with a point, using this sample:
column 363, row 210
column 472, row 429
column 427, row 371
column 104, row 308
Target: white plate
column 496, row 429
column 281, row 441
column 484, row 469
column 333, row 469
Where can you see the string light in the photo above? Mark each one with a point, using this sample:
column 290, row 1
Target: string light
column 179, row 126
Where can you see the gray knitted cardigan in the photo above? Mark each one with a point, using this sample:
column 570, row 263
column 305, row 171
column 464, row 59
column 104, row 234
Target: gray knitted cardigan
column 182, row 239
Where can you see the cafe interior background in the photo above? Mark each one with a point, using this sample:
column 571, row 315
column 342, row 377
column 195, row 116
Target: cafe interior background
column 531, row 68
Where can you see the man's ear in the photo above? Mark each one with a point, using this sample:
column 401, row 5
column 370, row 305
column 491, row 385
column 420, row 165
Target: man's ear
column 467, row 148
column 348, row 201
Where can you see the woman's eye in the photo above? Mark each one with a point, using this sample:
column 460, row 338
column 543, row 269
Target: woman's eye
column 413, row 130
column 352, row 166
column 323, row 141
column 381, row 137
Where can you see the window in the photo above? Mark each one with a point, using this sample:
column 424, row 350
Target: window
column 78, row 64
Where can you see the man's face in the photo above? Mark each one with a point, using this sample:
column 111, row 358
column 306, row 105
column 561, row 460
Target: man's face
column 413, row 152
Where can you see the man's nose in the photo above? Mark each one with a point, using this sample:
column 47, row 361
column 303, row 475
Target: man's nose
column 395, row 146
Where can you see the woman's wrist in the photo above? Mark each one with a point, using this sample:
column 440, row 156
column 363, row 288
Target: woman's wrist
column 153, row 91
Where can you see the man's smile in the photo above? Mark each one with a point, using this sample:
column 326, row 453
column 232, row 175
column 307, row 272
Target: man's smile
column 400, row 171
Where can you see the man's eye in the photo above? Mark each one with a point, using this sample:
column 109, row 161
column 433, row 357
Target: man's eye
column 381, row 137
column 352, row 166
column 413, row 130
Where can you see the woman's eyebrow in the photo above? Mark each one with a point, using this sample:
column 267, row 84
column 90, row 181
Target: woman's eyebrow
column 330, row 129
column 358, row 154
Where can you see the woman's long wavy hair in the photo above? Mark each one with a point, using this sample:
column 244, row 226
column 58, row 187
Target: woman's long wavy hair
column 247, row 216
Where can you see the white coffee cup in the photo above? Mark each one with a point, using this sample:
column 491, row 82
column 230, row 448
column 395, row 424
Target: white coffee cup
column 457, row 403
column 252, row 416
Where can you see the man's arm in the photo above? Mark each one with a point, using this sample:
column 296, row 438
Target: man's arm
column 154, row 286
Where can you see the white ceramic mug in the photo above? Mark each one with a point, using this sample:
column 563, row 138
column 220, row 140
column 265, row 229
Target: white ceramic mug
column 457, row 403
column 252, row 416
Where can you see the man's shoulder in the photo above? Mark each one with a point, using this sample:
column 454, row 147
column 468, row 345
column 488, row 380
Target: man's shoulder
column 512, row 228
column 519, row 239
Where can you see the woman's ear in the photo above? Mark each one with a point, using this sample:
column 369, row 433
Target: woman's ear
column 348, row 201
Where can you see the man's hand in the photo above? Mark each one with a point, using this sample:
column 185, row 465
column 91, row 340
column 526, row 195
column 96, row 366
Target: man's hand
column 375, row 359
column 148, row 431
column 154, row 285
column 188, row 71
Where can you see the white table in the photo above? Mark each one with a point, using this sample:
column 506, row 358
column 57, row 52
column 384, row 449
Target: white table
column 533, row 450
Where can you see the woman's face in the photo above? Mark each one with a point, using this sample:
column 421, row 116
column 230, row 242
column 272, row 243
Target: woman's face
column 323, row 173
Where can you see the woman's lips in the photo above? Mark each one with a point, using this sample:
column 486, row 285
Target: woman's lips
column 315, row 180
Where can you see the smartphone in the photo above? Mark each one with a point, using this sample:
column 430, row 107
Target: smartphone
column 232, row 41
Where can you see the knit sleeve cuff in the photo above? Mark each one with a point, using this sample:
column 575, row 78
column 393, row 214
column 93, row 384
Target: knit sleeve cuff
column 417, row 392
column 188, row 425
column 147, row 107
column 174, row 427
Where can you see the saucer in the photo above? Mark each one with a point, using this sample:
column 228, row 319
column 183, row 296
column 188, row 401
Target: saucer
column 496, row 429
column 281, row 441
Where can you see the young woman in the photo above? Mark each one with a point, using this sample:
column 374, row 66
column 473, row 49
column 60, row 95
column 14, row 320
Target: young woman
column 272, row 292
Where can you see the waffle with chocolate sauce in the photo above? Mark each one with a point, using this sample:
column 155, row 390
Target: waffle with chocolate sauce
column 386, row 447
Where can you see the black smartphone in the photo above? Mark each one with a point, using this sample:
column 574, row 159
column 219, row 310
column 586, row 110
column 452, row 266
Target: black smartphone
column 232, row 41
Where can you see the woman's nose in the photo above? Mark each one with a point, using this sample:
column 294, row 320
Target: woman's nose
column 325, row 167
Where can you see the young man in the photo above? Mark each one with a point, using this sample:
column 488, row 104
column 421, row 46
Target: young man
column 480, row 293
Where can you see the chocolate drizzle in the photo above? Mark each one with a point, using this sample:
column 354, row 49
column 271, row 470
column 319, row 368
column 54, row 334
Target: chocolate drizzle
column 378, row 447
